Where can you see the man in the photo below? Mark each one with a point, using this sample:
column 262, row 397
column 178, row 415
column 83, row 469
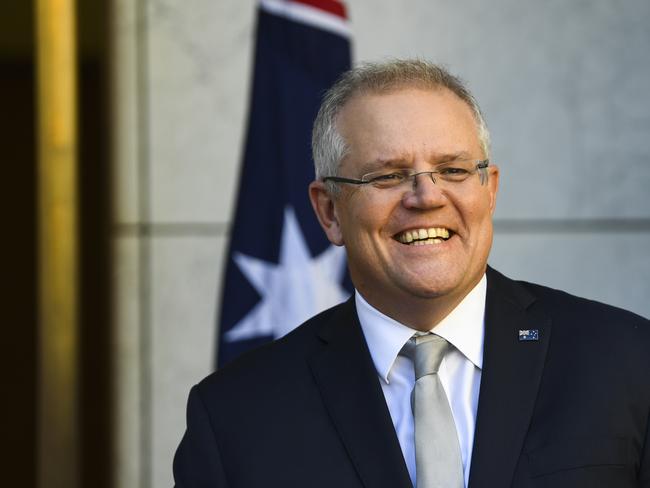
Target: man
column 532, row 387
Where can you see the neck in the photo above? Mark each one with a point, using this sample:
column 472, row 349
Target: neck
column 421, row 313
column 418, row 313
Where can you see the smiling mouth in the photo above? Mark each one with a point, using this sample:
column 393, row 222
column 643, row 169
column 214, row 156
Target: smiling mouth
column 423, row 237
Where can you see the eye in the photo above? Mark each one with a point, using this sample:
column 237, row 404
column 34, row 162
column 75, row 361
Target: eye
column 389, row 177
column 454, row 173
column 384, row 180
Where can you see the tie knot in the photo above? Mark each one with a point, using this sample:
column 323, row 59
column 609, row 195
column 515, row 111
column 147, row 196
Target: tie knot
column 426, row 352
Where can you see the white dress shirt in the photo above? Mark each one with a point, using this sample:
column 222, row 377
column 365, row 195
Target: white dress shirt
column 459, row 373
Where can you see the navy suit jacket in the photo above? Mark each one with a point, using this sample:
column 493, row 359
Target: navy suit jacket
column 569, row 410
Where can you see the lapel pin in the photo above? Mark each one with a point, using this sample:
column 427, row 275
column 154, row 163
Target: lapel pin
column 528, row 335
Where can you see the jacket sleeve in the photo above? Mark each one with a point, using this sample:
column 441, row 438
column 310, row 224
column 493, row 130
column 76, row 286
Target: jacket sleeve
column 197, row 463
column 644, row 469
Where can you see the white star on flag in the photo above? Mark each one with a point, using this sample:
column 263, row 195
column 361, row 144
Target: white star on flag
column 293, row 290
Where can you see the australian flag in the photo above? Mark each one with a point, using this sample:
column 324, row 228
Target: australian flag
column 280, row 267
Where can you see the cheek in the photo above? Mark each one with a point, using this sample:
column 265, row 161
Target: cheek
column 362, row 230
column 479, row 208
column 367, row 220
column 356, row 231
column 361, row 216
column 481, row 225
column 477, row 220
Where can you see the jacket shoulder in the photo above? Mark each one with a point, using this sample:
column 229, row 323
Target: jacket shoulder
column 573, row 314
column 279, row 359
column 568, row 304
column 559, row 303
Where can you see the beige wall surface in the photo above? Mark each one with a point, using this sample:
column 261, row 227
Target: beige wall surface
column 563, row 86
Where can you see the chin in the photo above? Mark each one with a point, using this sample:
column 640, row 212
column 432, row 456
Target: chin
column 429, row 290
column 440, row 283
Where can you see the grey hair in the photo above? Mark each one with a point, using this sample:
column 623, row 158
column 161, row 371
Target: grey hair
column 328, row 146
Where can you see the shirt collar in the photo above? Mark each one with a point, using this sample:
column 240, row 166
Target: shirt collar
column 463, row 328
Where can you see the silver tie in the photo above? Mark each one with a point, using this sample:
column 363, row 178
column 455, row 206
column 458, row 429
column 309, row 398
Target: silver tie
column 438, row 461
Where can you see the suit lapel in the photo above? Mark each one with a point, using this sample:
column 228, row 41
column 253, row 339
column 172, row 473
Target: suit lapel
column 348, row 382
column 512, row 371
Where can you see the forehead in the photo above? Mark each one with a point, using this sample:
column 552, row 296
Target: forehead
column 409, row 124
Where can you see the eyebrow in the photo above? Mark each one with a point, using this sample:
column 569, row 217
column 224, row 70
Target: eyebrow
column 437, row 159
column 379, row 164
column 446, row 158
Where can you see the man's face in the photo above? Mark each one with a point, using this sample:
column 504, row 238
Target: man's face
column 416, row 129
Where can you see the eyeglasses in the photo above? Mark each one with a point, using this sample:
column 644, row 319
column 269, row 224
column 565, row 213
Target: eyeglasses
column 453, row 172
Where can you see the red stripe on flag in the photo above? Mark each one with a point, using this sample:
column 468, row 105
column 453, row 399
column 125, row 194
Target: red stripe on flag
column 332, row 6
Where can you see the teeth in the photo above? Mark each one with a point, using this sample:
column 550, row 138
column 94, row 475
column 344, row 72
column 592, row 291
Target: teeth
column 424, row 236
column 428, row 242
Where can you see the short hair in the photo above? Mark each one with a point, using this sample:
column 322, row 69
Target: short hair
column 328, row 145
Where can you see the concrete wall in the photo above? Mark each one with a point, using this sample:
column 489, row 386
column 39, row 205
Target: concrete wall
column 563, row 86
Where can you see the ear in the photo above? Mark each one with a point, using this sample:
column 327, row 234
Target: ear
column 325, row 209
column 493, row 186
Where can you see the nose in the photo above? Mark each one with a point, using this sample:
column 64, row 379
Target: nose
column 426, row 192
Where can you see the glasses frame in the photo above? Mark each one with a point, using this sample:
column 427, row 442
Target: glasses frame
column 481, row 164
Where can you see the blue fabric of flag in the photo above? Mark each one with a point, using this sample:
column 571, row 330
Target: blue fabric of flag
column 294, row 64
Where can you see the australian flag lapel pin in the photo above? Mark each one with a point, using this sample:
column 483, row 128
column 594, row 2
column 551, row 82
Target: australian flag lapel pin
column 526, row 335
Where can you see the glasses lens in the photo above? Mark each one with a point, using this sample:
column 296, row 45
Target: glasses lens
column 457, row 171
column 387, row 179
column 451, row 172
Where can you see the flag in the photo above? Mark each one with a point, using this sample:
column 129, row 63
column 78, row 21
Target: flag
column 280, row 268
